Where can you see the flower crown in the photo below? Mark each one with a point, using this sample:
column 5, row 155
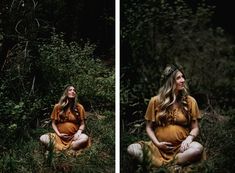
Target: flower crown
column 170, row 68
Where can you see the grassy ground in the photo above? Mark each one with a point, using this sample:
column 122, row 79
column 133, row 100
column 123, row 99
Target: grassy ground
column 29, row 156
column 217, row 137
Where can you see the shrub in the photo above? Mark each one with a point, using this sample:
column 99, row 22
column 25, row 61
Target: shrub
column 75, row 63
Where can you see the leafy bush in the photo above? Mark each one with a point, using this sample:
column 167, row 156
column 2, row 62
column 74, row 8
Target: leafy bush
column 154, row 33
column 74, row 63
column 161, row 32
column 30, row 85
column 34, row 70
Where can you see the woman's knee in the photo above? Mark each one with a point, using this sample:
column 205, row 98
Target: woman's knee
column 135, row 150
column 44, row 139
column 81, row 142
column 197, row 147
column 84, row 137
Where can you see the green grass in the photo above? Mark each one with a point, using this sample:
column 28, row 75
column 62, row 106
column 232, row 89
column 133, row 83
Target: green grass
column 217, row 137
column 29, row 156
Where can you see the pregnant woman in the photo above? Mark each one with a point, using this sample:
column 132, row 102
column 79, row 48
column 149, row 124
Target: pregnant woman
column 171, row 123
column 68, row 123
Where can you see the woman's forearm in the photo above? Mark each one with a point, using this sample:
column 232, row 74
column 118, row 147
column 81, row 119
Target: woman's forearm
column 151, row 133
column 55, row 128
column 194, row 129
column 194, row 133
column 82, row 126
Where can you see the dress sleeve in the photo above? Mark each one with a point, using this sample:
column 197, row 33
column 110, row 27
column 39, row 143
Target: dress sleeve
column 151, row 110
column 194, row 110
column 81, row 112
column 55, row 112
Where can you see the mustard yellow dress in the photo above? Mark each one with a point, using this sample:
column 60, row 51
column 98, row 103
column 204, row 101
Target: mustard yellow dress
column 69, row 125
column 174, row 132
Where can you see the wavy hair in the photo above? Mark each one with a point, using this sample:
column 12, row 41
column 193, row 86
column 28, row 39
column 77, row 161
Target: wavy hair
column 167, row 96
column 64, row 104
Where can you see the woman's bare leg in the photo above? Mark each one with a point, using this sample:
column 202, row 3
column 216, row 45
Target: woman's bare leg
column 193, row 153
column 80, row 142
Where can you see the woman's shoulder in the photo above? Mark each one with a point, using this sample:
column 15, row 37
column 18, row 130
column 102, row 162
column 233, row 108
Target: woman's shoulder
column 57, row 106
column 191, row 99
column 154, row 100
column 79, row 106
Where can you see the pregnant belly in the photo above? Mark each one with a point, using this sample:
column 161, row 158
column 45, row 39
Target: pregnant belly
column 171, row 133
column 67, row 128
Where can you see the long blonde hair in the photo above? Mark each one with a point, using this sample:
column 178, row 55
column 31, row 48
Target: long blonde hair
column 167, row 97
column 64, row 103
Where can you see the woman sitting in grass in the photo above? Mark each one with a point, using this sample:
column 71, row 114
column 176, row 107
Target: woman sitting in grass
column 171, row 124
column 68, row 122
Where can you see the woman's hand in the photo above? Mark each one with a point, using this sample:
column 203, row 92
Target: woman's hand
column 166, row 146
column 192, row 134
column 76, row 135
column 65, row 136
column 185, row 144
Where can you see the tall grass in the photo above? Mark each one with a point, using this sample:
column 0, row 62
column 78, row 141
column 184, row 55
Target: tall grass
column 217, row 137
column 30, row 156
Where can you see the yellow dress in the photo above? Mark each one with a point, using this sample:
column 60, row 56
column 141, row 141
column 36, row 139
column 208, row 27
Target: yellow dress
column 69, row 125
column 173, row 132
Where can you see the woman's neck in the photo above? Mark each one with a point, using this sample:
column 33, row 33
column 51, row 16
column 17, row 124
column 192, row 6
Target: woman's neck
column 176, row 93
column 70, row 102
column 175, row 105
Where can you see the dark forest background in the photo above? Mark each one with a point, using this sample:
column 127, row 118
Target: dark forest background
column 45, row 45
column 198, row 35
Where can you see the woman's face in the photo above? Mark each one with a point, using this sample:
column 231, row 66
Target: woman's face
column 71, row 92
column 179, row 79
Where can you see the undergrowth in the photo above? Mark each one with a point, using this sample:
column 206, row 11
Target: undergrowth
column 30, row 156
column 217, row 137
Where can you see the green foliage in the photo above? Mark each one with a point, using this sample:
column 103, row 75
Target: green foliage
column 156, row 33
column 30, row 156
column 28, row 88
column 214, row 131
column 159, row 32
column 17, row 117
column 145, row 166
column 34, row 70
column 104, row 133
column 74, row 63
column 31, row 84
column 32, row 79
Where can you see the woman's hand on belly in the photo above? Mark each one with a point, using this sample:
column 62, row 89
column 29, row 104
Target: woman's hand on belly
column 166, row 146
column 65, row 136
